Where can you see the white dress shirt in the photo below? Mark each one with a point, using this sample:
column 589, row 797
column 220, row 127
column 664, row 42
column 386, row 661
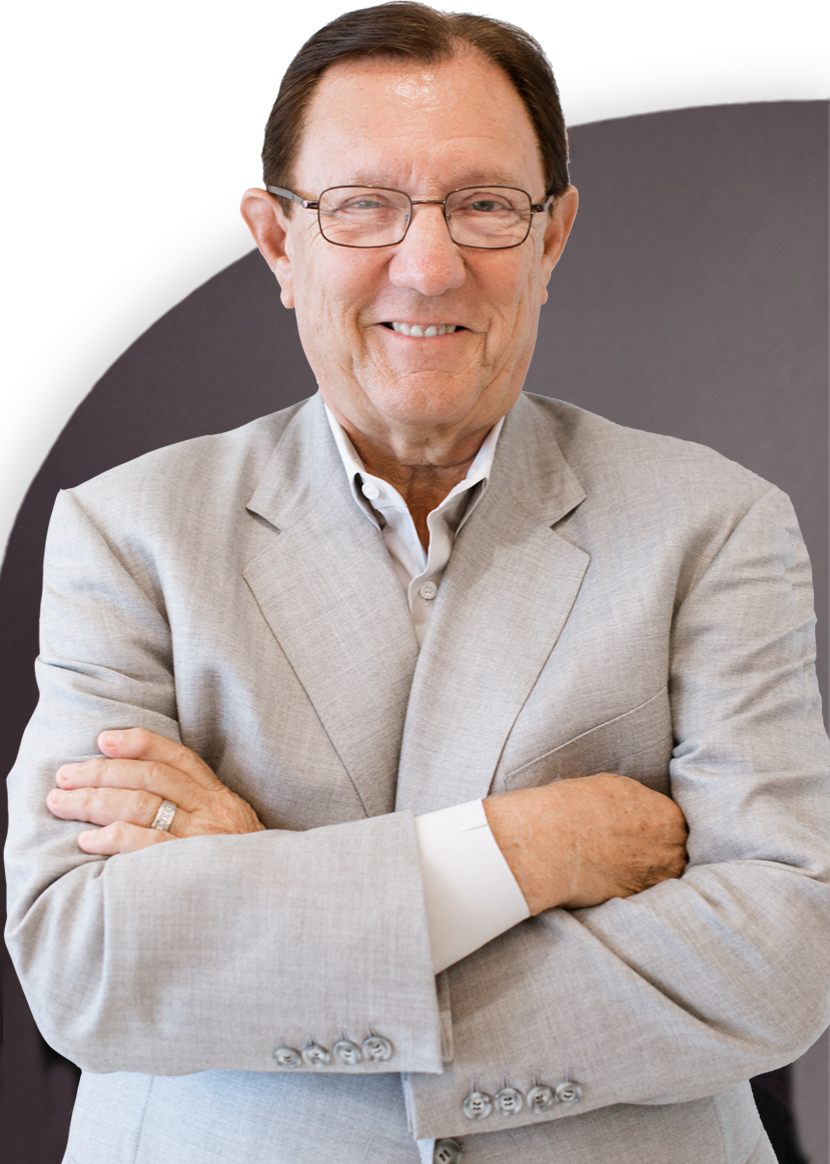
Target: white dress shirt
column 471, row 895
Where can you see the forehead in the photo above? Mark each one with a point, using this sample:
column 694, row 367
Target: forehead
column 385, row 121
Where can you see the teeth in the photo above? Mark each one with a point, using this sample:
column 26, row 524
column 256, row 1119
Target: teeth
column 419, row 332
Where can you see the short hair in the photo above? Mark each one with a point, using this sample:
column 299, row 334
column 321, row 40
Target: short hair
column 408, row 30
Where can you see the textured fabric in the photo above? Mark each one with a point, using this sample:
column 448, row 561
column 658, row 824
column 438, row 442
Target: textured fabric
column 616, row 601
column 386, row 509
column 454, row 864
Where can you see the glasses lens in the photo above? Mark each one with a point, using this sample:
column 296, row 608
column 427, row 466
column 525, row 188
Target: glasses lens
column 489, row 216
column 363, row 216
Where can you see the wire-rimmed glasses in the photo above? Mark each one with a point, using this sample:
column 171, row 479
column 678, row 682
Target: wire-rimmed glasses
column 488, row 217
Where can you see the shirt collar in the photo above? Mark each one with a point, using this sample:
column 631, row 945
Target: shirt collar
column 357, row 476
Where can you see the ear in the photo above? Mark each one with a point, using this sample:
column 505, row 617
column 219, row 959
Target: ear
column 556, row 233
column 270, row 228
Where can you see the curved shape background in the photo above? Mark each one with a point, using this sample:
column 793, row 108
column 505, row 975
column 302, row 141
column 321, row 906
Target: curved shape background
column 692, row 300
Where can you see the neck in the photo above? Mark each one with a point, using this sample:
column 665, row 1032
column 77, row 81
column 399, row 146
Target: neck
column 422, row 471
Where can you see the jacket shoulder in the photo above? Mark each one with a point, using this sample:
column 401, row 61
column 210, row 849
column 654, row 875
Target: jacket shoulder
column 189, row 473
column 612, row 459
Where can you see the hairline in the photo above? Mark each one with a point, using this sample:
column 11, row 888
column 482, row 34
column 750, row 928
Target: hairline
column 458, row 50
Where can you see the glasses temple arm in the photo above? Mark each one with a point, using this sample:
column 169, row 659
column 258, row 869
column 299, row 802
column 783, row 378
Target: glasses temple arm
column 283, row 193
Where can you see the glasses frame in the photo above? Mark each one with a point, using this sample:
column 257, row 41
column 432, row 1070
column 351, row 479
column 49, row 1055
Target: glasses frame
column 314, row 204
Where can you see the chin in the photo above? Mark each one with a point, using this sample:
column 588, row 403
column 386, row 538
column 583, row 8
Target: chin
column 420, row 405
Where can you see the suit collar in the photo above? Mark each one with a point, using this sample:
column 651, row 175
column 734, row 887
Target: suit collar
column 509, row 588
column 530, row 464
column 433, row 725
column 328, row 590
column 298, row 475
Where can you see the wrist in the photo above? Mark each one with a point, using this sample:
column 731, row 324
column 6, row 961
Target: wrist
column 523, row 826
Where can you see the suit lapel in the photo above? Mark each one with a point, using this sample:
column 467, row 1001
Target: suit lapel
column 327, row 589
column 509, row 587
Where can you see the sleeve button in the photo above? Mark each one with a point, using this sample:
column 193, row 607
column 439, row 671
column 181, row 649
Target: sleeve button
column 540, row 1098
column 567, row 1093
column 347, row 1052
column 477, row 1105
column 315, row 1055
column 509, row 1101
column 377, row 1048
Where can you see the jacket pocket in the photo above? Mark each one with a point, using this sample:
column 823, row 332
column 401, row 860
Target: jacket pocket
column 637, row 743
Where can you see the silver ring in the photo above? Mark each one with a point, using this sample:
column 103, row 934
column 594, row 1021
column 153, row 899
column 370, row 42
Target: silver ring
column 164, row 816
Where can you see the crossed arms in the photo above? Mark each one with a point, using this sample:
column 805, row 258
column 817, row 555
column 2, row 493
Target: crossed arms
column 568, row 844
column 228, row 938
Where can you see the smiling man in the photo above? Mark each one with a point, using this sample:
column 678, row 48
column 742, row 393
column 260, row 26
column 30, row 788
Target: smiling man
column 400, row 712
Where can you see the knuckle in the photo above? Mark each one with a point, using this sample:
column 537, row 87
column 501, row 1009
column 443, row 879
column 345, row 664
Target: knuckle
column 119, row 831
column 138, row 805
column 154, row 775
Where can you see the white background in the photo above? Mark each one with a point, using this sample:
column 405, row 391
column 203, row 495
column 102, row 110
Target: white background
column 537, row 16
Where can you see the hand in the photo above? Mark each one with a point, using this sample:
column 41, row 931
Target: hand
column 123, row 790
column 580, row 842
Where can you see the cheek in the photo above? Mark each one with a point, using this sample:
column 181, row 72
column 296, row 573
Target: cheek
column 331, row 286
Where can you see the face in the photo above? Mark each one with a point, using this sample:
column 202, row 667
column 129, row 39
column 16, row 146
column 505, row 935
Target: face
column 426, row 130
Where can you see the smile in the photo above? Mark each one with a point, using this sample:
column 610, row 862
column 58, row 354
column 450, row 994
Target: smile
column 418, row 332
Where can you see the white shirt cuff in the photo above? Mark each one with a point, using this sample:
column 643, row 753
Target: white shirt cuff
column 471, row 895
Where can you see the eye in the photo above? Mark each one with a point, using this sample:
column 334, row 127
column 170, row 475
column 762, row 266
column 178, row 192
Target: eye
column 485, row 203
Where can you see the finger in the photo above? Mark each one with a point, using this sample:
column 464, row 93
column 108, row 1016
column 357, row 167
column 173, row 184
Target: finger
column 105, row 806
column 120, row 837
column 140, row 744
column 148, row 776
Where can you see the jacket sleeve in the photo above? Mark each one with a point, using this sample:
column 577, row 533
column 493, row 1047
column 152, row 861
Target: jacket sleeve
column 698, row 983
column 210, row 952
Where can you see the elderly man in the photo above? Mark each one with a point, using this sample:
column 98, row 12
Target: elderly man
column 325, row 684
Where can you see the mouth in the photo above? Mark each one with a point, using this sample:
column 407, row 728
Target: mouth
column 423, row 331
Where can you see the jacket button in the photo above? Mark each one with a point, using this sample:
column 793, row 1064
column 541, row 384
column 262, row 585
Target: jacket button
column 347, row 1052
column 315, row 1055
column 477, row 1105
column 567, row 1093
column 377, row 1048
column 447, row 1152
column 540, row 1098
column 287, row 1057
column 509, row 1101
column 428, row 590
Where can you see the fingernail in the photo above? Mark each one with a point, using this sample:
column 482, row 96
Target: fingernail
column 85, row 837
column 66, row 771
column 111, row 739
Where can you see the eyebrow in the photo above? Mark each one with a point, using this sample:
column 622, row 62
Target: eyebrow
column 475, row 178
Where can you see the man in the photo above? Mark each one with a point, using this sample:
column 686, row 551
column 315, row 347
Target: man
column 312, row 647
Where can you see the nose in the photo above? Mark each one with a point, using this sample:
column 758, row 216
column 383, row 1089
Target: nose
column 427, row 260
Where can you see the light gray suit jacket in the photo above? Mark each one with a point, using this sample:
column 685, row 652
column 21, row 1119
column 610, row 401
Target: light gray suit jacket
column 617, row 601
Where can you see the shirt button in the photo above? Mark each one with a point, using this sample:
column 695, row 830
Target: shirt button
column 287, row 1057
column 427, row 591
column 370, row 490
column 568, row 1093
column 447, row 1152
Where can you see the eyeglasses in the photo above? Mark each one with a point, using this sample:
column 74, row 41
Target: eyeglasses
column 489, row 217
